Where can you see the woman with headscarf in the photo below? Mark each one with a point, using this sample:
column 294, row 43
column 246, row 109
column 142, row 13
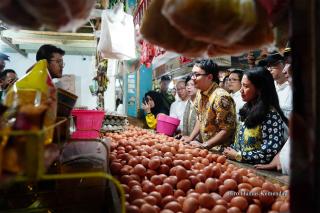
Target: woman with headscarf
column 153, row 105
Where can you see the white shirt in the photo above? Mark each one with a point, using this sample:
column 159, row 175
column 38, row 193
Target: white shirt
column 284, row 157
column 285, row 97
column 120, row 109
column 177, row 110
column 238, row 101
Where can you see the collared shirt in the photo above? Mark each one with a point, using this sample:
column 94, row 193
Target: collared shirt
column 177, row 110
column 238, row 101
column 216, row 111
column 284, row 92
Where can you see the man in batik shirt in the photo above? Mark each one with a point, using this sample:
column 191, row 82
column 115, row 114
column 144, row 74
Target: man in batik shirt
column 216, row 116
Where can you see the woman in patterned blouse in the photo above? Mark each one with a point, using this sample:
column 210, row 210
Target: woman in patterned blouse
column 259, row 135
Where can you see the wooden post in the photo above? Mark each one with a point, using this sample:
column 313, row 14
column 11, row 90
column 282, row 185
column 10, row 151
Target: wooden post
column 306, row 84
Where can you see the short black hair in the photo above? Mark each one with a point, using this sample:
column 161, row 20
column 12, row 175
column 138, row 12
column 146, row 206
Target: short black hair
column 188, row 79
column 4, row 73
column 210, row 67
column 274, row 58
column 165, row 78
column 46, row 51
column 239, row 72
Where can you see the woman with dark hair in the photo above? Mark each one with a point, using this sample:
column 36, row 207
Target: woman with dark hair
column 259, row 135
column 152, row 105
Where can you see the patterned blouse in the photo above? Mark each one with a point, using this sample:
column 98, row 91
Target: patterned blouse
column 260, row 144
column 216, row 111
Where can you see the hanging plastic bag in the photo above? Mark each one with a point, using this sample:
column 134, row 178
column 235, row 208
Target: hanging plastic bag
column 36, row 88
column 221, row 22
column 117, row 39
column 157, row 30
column 62, row 15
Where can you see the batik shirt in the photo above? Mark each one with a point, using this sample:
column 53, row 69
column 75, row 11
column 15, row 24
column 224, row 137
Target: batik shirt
column 260, row 144
column 216, row 111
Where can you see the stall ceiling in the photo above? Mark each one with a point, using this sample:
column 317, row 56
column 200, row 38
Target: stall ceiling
column 30, row 41
column 82, row 42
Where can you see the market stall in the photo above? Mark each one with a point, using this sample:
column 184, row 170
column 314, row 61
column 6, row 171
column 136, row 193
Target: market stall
column 97, row 160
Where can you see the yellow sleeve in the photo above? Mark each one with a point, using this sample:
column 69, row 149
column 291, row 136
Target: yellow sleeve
column 151, row 121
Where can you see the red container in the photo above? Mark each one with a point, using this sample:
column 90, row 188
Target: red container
column 167, row 124
column 88, row 123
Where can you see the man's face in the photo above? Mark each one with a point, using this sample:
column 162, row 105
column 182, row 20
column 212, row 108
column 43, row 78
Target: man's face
column 276, row 70
column 200, row 78
column 181, row 90
column 164, row 85
column 56, row 65
column 2, row 64
column 9, row 80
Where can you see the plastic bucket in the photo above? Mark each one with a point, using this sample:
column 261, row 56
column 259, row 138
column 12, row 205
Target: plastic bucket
column 166, row 124
column 88, row 123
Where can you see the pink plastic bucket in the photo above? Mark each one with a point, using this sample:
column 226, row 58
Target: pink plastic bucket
column 85, row 134
column 88, row 123
column 167, row 124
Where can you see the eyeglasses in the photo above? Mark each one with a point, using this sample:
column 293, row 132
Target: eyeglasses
column 196, row 75
column 180, row 89
column 59, row 61
column 233, row 79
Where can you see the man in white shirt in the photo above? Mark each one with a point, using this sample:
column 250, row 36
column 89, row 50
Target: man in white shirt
column 275, row 64
column 234, row 86
column 177, row 108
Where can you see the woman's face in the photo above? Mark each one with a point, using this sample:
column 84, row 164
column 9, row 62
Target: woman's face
column 248, row 91
column 191, row 90
column 150, row 101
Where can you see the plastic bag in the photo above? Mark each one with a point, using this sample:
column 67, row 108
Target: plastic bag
column 157, row 30
column 259, row 36
column 62, row 15
column 36, row 88
column 117, row 39
column 221, row 22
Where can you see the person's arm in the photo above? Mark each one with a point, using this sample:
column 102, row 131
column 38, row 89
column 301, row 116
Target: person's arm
column 151, row 121
column 274, row 164
column 218, row 139
column 194, row 133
